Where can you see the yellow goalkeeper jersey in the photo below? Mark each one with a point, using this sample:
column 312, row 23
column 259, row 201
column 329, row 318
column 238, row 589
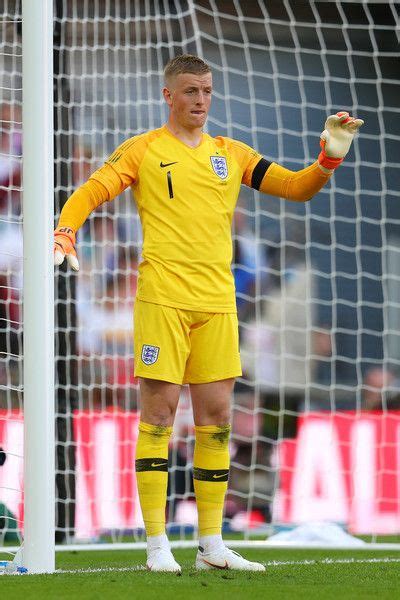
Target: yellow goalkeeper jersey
column 185, row 198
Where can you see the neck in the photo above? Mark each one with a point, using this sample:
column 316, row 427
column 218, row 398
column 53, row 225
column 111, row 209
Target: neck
column 190, row 137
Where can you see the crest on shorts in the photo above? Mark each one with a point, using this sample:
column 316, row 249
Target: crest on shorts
column 150, row 354
column 219, row 166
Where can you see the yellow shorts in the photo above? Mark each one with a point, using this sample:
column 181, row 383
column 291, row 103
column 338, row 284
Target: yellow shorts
column 183, row 346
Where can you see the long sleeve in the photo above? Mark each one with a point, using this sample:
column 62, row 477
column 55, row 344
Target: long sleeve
column 119, row 172
column 271, row 178
column 299, row 186
column 81, row 203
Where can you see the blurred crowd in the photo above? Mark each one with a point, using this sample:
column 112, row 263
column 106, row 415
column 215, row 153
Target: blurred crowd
column 283, row 345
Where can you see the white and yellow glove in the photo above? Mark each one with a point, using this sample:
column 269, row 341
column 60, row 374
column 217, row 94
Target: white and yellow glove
column 64, row 246
column 336, row 139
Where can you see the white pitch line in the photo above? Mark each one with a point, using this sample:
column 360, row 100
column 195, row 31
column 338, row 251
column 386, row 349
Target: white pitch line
column 272, row 563
column 331, row 561
column 101, row 570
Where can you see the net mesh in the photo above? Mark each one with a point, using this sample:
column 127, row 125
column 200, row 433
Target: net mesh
column 11, row 426
column 317, row 284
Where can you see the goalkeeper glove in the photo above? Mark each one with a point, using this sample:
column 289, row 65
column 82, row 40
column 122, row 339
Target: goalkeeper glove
column 64, row 245
column 336, row 139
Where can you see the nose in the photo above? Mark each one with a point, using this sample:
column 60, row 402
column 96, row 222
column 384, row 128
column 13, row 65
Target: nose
column 200, row 98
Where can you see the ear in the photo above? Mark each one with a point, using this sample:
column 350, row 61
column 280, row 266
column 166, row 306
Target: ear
column 167, row 96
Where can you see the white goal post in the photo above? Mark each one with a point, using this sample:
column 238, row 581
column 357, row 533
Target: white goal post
column 38, row 554
column 316, row 422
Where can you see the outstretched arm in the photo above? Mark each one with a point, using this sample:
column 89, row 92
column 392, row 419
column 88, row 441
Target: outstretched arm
column 302, row 185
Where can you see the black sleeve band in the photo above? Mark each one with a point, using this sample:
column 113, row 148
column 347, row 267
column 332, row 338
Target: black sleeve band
column 258, row 173
column 210, row 474
column 151, row 464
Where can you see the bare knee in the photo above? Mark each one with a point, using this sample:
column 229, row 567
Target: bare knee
column 158, row 402
column 212, row 402
column 158, row 417
column 220, row 416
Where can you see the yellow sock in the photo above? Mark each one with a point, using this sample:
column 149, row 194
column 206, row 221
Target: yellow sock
column 152, row 475
column 210, row 475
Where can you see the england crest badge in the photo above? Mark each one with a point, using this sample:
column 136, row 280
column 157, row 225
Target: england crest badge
column 219, row 166
column 150, row 354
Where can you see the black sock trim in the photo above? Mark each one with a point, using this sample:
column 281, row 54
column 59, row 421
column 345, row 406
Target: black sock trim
column 258, row 173
column 151, row 464
column 210, row 474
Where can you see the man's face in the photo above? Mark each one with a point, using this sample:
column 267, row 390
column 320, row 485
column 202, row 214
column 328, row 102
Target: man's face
column 189, row 99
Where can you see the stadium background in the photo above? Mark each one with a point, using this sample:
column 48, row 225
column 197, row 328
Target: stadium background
column 289, row 103
column 108, row 62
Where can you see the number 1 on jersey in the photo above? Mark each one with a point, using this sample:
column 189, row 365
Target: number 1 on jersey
column 170, row 189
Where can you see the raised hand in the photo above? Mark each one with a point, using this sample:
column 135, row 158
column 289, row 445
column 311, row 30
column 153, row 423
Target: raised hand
column 336, row 138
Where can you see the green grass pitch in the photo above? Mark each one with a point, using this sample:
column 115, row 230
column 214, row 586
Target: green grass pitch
column 308, row 574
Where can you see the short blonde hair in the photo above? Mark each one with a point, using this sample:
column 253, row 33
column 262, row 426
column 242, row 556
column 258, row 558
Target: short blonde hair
column 185, row 63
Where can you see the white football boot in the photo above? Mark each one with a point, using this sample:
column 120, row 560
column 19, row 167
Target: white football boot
column 224, row 558
column 159, row 555
column 162, row 559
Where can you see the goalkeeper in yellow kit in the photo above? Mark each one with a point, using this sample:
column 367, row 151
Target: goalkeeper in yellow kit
column 186, row 184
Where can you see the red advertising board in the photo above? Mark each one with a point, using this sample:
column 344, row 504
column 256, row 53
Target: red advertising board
column 343, row 468
column 11, row 473
column 106, row 493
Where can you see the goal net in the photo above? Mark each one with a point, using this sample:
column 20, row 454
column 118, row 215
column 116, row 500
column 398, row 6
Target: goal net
column 316, row 427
